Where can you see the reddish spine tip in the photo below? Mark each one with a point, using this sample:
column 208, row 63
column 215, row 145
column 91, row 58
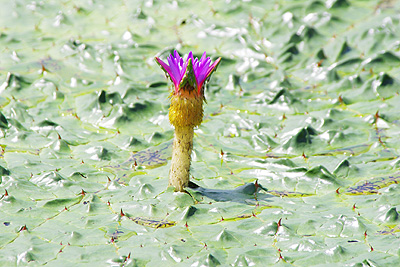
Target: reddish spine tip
column 43, row 68
column 377, row 115
column 257, row 185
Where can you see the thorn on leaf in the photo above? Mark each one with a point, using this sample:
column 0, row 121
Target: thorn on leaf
column 256, row 185
column 377, row 115
column 337, row 191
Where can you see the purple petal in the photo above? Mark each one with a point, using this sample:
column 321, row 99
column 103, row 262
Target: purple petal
column 164, row 65
column 212, row 67
column 204, row 56
column 202, row 69
column 176, row 68
column 174, row 71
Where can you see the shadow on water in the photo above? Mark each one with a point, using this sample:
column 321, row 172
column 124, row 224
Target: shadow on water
column 246, row 193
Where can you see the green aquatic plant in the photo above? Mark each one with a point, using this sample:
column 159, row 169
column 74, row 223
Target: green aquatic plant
column 305, row 101
column 186, row 109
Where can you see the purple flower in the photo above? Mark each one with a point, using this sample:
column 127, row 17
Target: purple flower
column 176, row 69
column 203, row 69
column 195, row 73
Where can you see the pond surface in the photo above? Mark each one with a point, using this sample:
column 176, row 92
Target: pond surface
column 296, row 161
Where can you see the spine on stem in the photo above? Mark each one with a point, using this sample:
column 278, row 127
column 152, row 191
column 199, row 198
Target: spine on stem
column 185, row 113
column 181, row 157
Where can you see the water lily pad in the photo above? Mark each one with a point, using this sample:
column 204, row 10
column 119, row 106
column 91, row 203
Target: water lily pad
column 305, row 101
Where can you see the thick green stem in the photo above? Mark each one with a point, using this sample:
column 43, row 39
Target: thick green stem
column 181, row 157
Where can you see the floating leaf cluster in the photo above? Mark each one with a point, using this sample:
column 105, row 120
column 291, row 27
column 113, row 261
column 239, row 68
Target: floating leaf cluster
column 305, row 101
